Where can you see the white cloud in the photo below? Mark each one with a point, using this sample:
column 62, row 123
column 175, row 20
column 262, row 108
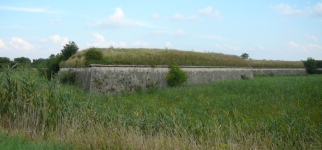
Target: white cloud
column 177, row 33
column 304, row 48
column 99, row 37
column 218, row 46
column 260, row 47
column 40, row 10
column 236, row 48
column 57, row 39
column 168, row 44
column 315, row 39
column 317, row 9
column 287, row 10
column 211, row 37
column 207, row 11
column 180, row 17
column 43, row 40
column 117, row 20
column 140, row 43
column 18, row 43
column 104, row 44
column 2, row 45
column 100, row 42
column 58, row 21
column 156, row 16
column 290, row 30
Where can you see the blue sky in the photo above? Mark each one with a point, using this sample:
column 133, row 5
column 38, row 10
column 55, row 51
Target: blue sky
column 265, row 29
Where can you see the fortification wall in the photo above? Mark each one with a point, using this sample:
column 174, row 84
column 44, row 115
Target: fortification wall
column 280, row 71
column 129, row 78
column 118, row 79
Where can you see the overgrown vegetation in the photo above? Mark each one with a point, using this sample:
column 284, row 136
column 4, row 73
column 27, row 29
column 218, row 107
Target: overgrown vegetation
column 135, row 56
column 51, row 66
column 280, row 112
column 69, row 50
column 310, row 65
column 67, row 77
column 93, row 55
column 176, row 77
column 244, row 56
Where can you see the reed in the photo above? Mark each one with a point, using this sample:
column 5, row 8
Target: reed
column 279, row 112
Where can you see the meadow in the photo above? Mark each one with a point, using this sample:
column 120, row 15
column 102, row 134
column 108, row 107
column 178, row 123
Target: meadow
column 145, row 56
column 267, row 112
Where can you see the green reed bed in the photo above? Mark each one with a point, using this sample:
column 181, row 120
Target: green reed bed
column 281, row 112
column 18, row 143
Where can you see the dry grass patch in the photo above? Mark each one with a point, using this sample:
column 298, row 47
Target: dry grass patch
column 145, row 56
column 275, row 64
column 141, row 56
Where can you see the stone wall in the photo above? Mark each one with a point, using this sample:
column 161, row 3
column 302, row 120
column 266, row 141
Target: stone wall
column 279, row 71
column 115, row 79
column 118, row 79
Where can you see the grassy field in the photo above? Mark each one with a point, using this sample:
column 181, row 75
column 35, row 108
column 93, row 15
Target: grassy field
column 132, row 56
column 279, row 112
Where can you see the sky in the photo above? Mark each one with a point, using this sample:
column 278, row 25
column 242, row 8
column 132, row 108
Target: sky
column 264, row 29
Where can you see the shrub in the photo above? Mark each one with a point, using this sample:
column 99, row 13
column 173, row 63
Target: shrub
column 67, row 77
column 244, row 77
column 69, row 50
column 52, row 65
column 244, row 56
column 319, row 64
column 176, row 76
column 93, row 55
column 310, row 65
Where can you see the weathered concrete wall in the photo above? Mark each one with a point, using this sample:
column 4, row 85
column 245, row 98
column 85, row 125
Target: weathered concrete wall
column 118, row 79
column 279, row 71
column 129, row 78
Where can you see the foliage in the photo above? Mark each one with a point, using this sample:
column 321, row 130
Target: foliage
column 176, row 76
column 52, row 65
column 39, row 60
column 4, row 60
column 244, row 77
column 281, row 112
column 69, row 50
column 319, row 63
column 93, row 55
column 310, row 65
column 244, row 56
column 67, row 77
column 22, row 60
column 22, row 143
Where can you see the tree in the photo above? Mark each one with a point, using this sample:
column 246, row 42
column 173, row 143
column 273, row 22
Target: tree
column 69, row 50
column 52, row 65
column 93, row 55
column 22, row 60
column 4, row 60
column 310, row 65
column 244, row 56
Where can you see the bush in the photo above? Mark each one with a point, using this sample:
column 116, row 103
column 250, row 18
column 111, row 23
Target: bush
column 319, row 64
column 69, row 50
column 67, row 77
column 93, row 55
column 52, row 65
column 244, row 56
column 310, row 65
column 176, row 76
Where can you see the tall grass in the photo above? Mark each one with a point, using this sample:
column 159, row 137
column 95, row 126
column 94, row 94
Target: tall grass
column 136, row 56
column 280, row 112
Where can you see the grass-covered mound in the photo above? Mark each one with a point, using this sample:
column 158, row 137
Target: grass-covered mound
column 280, row 112
column 141, row 56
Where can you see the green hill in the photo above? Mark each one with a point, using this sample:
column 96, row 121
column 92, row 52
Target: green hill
column 143, row 56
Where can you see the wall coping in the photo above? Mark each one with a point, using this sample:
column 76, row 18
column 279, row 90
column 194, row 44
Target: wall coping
column 149, row 66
